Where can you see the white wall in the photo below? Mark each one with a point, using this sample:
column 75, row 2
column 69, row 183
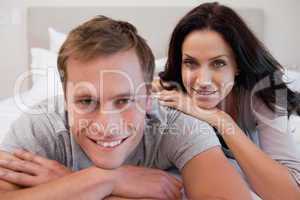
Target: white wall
column 12, row 43
column 282, row 29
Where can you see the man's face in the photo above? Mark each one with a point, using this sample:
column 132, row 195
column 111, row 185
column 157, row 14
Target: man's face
column 106, row 102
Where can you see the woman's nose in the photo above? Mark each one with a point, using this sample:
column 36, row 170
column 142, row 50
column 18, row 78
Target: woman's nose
column 204, row 78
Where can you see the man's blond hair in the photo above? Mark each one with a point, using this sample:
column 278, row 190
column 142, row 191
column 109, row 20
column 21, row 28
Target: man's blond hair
column 103, row 36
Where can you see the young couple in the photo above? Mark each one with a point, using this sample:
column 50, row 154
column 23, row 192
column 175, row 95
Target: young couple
column 109, row 139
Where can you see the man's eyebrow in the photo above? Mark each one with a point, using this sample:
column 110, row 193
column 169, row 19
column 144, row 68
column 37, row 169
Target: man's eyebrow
column 122, row 95
column 83, row 93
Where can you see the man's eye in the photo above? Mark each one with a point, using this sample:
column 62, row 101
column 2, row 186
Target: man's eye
column 219, row 63
column 87, row 102
column 123, row 101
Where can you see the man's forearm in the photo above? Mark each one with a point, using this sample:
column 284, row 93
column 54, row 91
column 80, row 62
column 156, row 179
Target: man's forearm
column 89, row 184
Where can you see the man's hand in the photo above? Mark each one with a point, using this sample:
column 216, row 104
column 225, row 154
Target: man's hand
column 123, row 198
column 28, row 169
column 131, row 182
column 146, row 183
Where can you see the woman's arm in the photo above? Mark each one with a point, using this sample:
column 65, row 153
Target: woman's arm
column 269, row 179
column 209, row 175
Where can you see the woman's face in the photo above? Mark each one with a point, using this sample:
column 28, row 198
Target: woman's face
column 208, row 67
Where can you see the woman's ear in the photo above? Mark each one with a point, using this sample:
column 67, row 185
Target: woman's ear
column 237, row 72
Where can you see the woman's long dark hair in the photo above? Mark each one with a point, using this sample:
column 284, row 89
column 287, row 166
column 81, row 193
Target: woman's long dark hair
column 254, row 61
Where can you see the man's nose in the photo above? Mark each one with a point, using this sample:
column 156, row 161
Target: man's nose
column 106, row 126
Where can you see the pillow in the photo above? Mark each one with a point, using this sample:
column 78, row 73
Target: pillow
column 160, row 65
column 292, row 77
column 42, row 58
column 56, row 39
column 44, row 72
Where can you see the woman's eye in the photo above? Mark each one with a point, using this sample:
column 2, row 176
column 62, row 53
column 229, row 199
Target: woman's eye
column 189, row 63
column 219, row 63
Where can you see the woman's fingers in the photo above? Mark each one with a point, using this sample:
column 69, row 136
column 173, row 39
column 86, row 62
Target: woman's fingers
column 169, row 96
column 171, row 104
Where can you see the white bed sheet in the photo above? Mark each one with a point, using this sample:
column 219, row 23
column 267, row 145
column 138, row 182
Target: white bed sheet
column 11, row 109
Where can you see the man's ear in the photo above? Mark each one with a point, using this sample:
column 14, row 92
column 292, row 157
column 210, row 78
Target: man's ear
column 148, row 103
column 65, row 104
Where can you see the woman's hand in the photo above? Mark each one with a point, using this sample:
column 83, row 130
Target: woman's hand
column 28, row 169
column 184, row 103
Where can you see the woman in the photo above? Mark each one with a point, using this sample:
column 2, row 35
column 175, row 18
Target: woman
column 219, row 72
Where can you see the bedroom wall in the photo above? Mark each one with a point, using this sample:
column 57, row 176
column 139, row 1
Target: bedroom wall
column 12, row 44
column 281, row 25
column 281, row 29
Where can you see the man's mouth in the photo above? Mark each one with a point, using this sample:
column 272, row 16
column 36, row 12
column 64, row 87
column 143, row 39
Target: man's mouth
column 204, row 92
column 111, row 143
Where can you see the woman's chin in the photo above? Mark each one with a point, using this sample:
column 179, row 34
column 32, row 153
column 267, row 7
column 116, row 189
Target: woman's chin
column 207, row 105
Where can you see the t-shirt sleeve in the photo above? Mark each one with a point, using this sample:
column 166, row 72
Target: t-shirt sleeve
column 186, row 137
column 28, row 133
column 276, row 139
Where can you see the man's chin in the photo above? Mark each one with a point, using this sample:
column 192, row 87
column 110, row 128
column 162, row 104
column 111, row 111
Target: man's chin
column 108, row 165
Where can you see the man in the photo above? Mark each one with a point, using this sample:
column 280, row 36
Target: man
column 111, row 131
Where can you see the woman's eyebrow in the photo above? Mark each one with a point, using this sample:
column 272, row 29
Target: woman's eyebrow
column 219, row 56
column 215, row 57
column 191, row 57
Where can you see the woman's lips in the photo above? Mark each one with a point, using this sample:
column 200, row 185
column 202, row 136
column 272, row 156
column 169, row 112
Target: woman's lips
column 204, row 92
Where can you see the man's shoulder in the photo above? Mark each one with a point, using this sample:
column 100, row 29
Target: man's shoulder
column 172, row 121
column 174, row 137
column 50, row 112
column 44, row 118
column 41, row 129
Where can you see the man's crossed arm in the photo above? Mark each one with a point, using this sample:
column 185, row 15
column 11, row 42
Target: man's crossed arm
column 208, row 175
column 24, row 175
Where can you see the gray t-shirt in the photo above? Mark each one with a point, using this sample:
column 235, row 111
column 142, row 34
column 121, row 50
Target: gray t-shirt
column 170, row 139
